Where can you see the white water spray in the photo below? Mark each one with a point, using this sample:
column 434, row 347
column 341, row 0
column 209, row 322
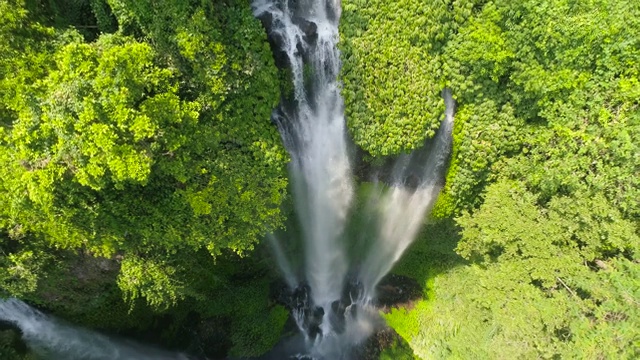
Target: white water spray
column 305, row 32
column 283, row 263
column 402, row 208
column 53, row 339
column 314, row 134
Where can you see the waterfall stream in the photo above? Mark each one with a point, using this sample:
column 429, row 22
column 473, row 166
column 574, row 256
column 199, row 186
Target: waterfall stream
column 333, row 295
column 53, row 339
column 314, row 134
column 333, row 308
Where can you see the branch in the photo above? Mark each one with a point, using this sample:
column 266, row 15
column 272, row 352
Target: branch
column 566, row 287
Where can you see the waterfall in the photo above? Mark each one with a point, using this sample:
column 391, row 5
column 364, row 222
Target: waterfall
column 334, row 309
column 403, row 207
column 53, row 339
column 282, row 261
column 314, row 135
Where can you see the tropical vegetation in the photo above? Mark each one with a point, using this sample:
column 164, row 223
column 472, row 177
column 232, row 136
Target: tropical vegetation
column 140, row 171
column 543, row 183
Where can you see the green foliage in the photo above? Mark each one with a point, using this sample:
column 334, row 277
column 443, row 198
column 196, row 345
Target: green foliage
column 229, row 300
column 148, row 143
column 25, row 51
column 590, row 228
column 431, row 256
column 399, row 350
column 153, row 281
column 557, row 71
column 255, row 333
column 12, row 347
column 395, row 67
column 543, row 171
column 475, row 148
column 518, row 71
column 98, row 112
column 536, row 291
column 392, row 98
column 551, row 280
column 20, row 271
column 82, row 289
column 254, row 323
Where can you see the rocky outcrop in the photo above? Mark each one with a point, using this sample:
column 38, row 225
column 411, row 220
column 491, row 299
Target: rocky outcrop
column 277, row 41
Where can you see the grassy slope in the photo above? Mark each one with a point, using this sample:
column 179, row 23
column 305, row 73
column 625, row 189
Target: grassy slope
column 430, row 258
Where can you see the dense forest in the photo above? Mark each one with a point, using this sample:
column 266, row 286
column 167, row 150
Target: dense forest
column 140, row 170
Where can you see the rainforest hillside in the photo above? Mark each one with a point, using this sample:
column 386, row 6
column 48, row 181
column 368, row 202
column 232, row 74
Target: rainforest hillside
column 140, row 170
column 543, row 185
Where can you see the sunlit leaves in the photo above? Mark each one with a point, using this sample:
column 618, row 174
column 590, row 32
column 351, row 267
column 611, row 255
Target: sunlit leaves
column 391, row 86
column 93, row 112
column 547, row 281
column 556, row 67
column 19, row 272
column 585, row 227
column 115, row 145
column 544, row 170
column 149, row 279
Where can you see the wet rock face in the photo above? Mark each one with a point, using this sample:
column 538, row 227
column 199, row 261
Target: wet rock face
column 396, row 291
column 393, row 291
column 11, row 339
column 277, row 40
column 298, row 302
column 308, row 28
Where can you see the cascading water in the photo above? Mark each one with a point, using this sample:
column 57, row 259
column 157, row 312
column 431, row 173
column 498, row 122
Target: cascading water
column 52, row 339
column 334, row 306
column 333, row 309
column 315, row 137
column 403, row 207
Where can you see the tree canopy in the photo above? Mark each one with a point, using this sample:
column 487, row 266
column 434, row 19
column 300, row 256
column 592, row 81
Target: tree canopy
column 543, row 179
column 138, row 162
column 143, row 142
